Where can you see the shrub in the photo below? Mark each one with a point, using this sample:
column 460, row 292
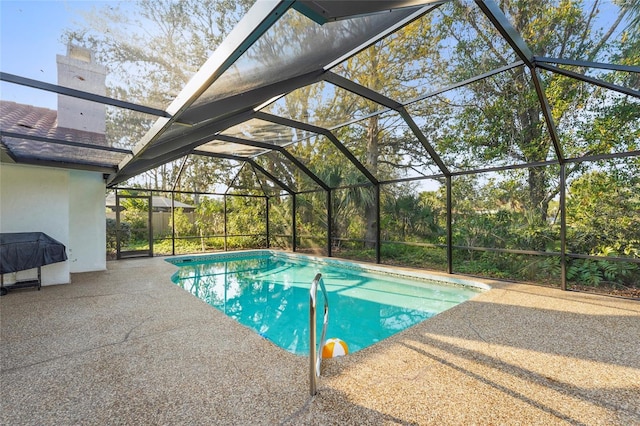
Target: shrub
column 125, row 234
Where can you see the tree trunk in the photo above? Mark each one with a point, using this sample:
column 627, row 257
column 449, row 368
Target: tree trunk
column 538, row 192
column 534, row 147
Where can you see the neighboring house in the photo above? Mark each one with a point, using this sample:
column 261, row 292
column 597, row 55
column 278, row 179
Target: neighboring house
column 158, row 204
column 161, row 212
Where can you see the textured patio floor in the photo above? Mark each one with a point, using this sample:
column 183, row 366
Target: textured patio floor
column 127, row 346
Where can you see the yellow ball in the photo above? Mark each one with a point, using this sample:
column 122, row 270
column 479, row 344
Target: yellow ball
column 334, row 347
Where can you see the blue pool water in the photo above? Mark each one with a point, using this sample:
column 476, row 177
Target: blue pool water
column 269, row 293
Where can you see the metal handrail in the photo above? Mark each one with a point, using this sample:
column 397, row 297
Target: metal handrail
column 316, row 359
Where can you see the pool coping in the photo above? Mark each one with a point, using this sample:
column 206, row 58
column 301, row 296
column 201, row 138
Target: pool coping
column 412, row 274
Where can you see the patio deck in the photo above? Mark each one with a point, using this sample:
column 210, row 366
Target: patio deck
column 126, row 346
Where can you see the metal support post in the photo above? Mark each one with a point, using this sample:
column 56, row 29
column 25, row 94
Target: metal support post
column 449, row 228
column 173, row 223
column 378, row 244
column 563, row 227
column 294, row 233
column 225, row 222
column 329, row 221
column 266, row 203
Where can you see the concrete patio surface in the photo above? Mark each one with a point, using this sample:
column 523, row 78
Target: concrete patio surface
column 127, row 346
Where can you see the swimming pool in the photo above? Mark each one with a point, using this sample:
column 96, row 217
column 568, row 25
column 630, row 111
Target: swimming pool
column 268, row 291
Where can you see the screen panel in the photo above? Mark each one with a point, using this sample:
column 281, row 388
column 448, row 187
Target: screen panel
column 324, row 105
column 450, row 44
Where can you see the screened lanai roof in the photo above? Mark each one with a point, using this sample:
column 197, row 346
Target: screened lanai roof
column 269, row 85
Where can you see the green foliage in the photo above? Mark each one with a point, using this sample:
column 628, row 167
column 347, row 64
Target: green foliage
column 596, row 272
column 414, row 256
column 312, row 220
column 209, row 221
column 138, row 223
column 246, row 215
column 512, row 266
column 181, row 223
column 182, row 246
column 495, row 121
column 125, row 235
column 129, row 202
column 280, row 222
column 602, row 213
column 111, row 236
column 408, row 216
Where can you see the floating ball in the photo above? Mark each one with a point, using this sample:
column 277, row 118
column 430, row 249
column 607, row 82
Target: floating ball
column 334, row 347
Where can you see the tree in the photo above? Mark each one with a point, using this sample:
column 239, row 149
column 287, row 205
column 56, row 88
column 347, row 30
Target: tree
column 209, row 219
column 499, row 120
column 151, row 49
column 411, row 216
column 390, row 66
column 181, row 223
column 607, row 202
column 496, row 121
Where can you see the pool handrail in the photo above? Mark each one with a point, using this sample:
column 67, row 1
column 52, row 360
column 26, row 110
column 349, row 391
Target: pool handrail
column 316, row 359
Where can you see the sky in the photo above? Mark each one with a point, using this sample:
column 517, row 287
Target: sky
column 30, row 39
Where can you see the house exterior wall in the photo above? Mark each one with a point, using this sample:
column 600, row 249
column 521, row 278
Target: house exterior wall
column 49, row 200
column 87, row 218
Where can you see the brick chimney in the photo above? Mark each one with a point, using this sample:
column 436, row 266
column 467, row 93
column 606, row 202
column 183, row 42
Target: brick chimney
column 79, row 71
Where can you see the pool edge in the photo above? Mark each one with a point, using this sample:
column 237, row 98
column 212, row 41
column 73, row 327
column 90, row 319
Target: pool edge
column 382, row 269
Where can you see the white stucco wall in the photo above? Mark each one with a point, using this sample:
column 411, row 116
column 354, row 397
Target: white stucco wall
column 66, row 205
column 87, row 218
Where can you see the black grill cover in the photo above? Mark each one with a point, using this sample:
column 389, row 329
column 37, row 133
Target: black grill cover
column 27, row 250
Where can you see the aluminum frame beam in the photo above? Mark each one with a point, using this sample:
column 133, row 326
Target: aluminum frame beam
column 449, row 202
column 548, row 116
column 377, row 37
column 383, row 100
column 271, row 177
column 585, row 64
column 321, row 131
column 250, row 100
column 36, row 138
column 361, row 90
column 325, row 11
column 259, row 179
column 598, row 157
column 329, row 222
column 233, row 181
column 277, row 148
column 167, row 151
column 194, row 137
column 255, row 23
column 423, row 140
column 497, row 17
column 505, row 168
column 597, row 82
column 6, row 156
column 465, row 82
column 606, row 258
column 294, row 222
column 182, row 167
column 88, row 96
column 251, row 163
column 563, row 227
column 92, row 167
column 182, row 144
